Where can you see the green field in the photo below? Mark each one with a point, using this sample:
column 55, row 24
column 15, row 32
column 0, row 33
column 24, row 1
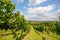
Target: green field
column 32, row 35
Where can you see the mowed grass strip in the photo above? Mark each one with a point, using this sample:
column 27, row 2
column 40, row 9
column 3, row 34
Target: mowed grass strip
column 32, row 35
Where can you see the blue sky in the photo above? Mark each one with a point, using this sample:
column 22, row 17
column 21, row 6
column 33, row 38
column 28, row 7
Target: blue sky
column 39, row 10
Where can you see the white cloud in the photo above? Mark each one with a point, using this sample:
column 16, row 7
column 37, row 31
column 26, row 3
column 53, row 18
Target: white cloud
column 29, row 16
column 40, row 10
column 41, row 18
column 21, row 1
column 35, row 2
column 58, row 12
column 42, row 13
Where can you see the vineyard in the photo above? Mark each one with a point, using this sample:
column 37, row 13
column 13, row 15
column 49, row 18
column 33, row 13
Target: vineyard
column 37, row 32
column 14, row 26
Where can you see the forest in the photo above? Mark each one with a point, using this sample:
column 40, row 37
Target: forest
column 14, row 26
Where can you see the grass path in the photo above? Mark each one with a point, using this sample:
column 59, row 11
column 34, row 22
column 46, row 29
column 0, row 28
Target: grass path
column 32, row 35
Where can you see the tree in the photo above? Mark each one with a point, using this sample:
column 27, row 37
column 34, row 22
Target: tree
column 6, row 13
column 11, row 20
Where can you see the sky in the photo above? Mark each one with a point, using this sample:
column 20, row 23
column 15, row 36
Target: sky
column 38, row 10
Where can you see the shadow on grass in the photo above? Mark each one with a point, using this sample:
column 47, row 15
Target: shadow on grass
column 5, row 34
